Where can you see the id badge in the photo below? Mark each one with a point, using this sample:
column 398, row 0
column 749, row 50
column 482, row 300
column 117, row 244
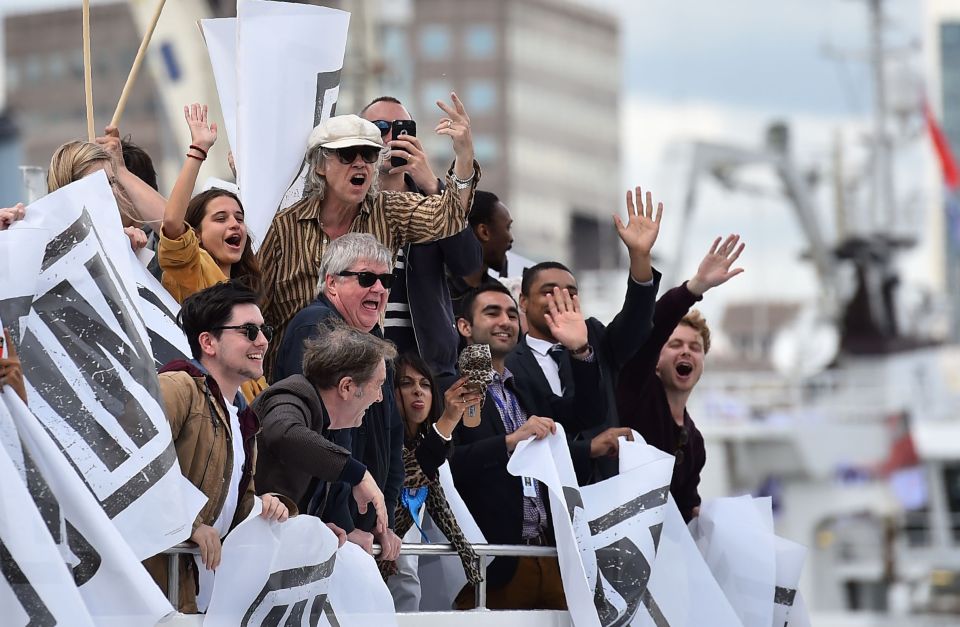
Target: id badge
column 529, row 487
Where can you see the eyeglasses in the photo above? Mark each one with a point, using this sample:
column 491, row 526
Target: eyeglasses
column 367, row 279
column 383, row 125
column 348, row 155
column 251, row 330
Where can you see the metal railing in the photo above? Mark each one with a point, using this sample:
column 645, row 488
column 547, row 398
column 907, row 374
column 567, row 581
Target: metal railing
column 482, row 550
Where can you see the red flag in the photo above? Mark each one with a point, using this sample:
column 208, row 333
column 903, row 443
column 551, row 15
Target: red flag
column 951, row 175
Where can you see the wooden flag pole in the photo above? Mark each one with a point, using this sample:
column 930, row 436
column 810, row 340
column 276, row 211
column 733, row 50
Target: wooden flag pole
column 87, row 73
column 137, row 62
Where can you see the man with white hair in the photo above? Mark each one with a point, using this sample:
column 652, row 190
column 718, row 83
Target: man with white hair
column 356, row 277
column 342, row 196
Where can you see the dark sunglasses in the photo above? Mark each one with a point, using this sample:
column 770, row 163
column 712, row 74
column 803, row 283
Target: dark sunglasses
column 383, row 125
column 367, row 279
column 349, row 154
column 251, row 330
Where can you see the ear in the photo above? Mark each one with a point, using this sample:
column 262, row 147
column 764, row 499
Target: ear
column 482, row 232
column 208, row 344
column 330, row 283
column 464, row 327
column 322, row 167
column 345, row 388
column 523, row 303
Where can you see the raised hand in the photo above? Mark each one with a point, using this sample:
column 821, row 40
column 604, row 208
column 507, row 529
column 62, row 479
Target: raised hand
column 202, row 133
column 565, row 320
column 715, row 269
column 456, row 124
column 138, row 239
column 642, row 227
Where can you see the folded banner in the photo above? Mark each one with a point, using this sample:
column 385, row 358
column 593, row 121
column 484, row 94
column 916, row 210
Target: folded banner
column 273, row 91
column 291, row 573
column 684, row 588
column 114, row 586
column 35, row 586
column 610, row 536
column 758, row 571
column 90, row 371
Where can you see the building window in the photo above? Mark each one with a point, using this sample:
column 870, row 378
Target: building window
column 480, row 96
column 481, row 41
column 435, row 41
column 485, row 148
column 431, row 92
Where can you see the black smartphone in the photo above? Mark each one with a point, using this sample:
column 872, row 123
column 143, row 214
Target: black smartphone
column 402, row 127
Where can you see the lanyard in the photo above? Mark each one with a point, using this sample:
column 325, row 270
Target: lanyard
column 513, row 414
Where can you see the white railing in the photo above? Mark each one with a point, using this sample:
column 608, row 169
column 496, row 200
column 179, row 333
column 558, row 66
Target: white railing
column 482, row 550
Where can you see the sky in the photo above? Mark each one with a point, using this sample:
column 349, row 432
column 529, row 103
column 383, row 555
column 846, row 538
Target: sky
column 722, row 71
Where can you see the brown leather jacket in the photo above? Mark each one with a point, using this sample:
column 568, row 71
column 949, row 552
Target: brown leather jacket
column 200, row 425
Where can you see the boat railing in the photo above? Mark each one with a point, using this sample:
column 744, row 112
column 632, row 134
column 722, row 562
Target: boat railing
column 482, row 550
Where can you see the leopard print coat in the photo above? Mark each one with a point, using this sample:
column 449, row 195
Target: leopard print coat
column 439, row 511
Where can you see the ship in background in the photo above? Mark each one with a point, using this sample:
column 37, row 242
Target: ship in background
column 845, row 409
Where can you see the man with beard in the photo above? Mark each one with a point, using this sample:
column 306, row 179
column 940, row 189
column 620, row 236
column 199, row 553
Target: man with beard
column 655, row 384
column 509, row 509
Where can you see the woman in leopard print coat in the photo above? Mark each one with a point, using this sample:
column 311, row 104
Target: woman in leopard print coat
column 429, row 424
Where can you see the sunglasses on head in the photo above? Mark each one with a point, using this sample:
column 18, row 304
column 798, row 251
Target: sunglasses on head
column 251, row 330
column 367, row 279
column 348, row 155
column 383, row 125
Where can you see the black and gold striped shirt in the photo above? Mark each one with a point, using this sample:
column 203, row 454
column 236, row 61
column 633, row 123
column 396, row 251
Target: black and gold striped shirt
column 291, row 252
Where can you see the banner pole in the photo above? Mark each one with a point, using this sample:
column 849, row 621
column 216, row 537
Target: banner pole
column 87, row 73
column 137, row 62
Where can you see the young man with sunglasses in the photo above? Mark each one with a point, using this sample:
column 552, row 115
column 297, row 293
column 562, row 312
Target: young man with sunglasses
column 657, row 381
column 419, row 315
column 356, row 278
column 213, row 428
column 342, row 196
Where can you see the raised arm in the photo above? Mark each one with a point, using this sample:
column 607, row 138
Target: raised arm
column 202, row 135
column 147, row 202
column 456, row 125
column 639, row 234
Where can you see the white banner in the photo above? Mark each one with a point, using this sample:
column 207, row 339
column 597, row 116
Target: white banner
column 291, row 573
column 113, row 584
column 90, row 372
column 35, row 586
column 159, row 310
column 274, row 90
column 610, row 536
column 758, row 571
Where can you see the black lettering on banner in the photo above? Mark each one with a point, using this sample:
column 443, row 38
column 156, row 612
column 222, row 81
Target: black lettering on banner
column 94, row 348
column 621, row 563
column 163, row 351
column 325, row 82
column 305, row 582
column 30, row 601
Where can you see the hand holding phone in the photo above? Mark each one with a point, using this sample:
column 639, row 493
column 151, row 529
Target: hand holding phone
column 402, row 127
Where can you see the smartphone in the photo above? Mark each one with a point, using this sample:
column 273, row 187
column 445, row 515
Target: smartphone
column 402, row 127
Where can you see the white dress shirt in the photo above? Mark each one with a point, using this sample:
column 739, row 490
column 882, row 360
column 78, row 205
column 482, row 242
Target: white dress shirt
column 550, row 368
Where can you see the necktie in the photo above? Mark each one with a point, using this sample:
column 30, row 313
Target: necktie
column 558, row 353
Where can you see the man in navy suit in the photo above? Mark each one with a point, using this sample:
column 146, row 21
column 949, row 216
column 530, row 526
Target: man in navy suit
column 509, row 509
column 542, row 360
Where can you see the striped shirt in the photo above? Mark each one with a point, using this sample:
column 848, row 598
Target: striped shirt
column 513, row 416
column 291, row 252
